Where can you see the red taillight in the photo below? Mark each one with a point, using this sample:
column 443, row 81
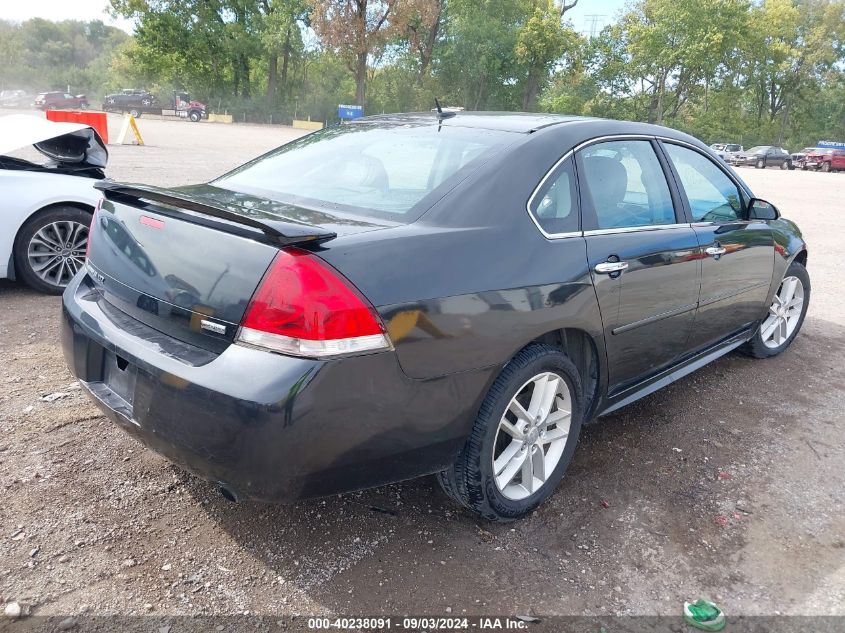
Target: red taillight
column 306, row 308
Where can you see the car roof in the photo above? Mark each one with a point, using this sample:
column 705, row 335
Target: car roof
column 524, row 122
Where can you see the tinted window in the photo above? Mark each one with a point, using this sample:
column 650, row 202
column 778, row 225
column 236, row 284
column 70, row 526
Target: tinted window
column 379, row 171
column 712, row 196
column 554, row 204
column 626, row 185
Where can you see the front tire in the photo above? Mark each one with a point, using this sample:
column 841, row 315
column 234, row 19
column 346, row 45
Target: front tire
column 195, row 116
column 50, row 248
column 523, row 437
column 825, row 167
column 785, row 317
column 135, row 113
column 761, row 164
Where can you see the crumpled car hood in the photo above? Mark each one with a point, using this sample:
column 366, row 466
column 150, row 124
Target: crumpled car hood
column 65, row 143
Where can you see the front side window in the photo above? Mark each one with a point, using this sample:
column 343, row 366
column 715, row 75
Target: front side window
column 626, row 185
column 371, row 170
column 553, row 206
column 712, row 196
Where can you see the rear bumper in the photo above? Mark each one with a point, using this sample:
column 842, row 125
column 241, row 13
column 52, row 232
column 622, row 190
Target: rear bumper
column 266, row 426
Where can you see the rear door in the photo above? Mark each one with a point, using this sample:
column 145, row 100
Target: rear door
column 642, row 256
column 738, row 254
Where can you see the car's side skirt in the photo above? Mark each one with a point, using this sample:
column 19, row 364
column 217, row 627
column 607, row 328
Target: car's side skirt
column 675, row 372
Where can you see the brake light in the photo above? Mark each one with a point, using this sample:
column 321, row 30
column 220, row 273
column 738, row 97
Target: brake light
column 304, row 307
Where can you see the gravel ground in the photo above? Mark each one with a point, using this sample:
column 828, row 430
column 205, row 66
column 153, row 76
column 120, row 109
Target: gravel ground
column 727, row 484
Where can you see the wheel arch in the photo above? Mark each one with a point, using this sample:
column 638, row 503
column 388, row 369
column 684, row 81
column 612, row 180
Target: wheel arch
column 82, row 206
column 583, row 350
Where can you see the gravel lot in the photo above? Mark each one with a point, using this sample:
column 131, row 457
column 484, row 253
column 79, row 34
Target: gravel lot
column 92, row 522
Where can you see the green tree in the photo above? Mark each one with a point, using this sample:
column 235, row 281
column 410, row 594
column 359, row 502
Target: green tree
column 542, row 42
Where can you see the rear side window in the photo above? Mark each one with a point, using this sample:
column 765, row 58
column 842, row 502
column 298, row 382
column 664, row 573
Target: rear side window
column 553, row 206
column 386, row 170
column 626, row 185
column 712, row 196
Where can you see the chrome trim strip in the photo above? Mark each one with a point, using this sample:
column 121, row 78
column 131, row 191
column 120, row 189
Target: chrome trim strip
column 636, row 229
column 733, row 293
column 686, row 308
column 551, row 236
column 657, row 317
column 600, row 139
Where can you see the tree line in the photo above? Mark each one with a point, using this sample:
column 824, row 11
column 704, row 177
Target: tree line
column 761, row 71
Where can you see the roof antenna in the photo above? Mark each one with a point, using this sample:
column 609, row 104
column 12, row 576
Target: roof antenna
column 440, row 114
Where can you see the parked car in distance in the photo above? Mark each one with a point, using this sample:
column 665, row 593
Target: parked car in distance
column 826, row 159
column 798, row 158
column 130, row 100
column 47, row 205
column 60, row 101
column 726, row 150
column 15, row 99
column 413, row 294
column 763, row 156
column 139, row 102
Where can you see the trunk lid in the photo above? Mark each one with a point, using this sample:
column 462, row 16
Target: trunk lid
column 186, row 261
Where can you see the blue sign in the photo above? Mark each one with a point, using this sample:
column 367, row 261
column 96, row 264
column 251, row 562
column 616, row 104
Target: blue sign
column 347, row 112
column 834, row 144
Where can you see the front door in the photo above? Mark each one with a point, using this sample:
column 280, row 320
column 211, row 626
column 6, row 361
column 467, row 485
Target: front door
column 737, row 254
column 642, row 258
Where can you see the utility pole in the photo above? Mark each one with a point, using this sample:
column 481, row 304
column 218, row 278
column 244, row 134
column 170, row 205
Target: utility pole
column 593, row 21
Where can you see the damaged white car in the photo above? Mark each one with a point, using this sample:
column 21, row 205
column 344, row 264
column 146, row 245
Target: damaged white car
column 46, row 205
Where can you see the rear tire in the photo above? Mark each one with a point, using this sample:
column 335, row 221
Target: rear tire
column 785, row 317
column 479, row 479
column 50, row 248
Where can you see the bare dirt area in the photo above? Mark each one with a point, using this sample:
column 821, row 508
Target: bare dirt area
column 728, row 484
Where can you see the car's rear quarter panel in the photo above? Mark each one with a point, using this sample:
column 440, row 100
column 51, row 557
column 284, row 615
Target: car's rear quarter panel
column 474, row 281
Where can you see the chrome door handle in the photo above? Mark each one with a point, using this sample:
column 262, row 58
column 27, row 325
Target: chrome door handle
column 715, row 251
column 611, row 267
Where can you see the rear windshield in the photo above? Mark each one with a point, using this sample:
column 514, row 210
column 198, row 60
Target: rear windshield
column 385, row 171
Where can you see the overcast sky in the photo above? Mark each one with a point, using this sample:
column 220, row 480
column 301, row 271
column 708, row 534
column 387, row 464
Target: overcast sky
column 588, row 14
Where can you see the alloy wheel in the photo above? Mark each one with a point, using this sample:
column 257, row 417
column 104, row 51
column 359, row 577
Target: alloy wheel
column 57, row 251
column 532, row 435
column 784, row 313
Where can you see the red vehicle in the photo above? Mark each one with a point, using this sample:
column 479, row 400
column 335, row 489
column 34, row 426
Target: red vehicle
column 60, row 101
column 826, row 159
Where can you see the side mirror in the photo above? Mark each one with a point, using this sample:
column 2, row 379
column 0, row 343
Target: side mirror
column 761, row 210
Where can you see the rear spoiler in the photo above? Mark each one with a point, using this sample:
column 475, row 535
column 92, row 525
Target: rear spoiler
column 278, row 232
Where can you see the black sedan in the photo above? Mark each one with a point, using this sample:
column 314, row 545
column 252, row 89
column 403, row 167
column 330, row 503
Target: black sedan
column 130, row 100
column 763, row 156
column 413, row 294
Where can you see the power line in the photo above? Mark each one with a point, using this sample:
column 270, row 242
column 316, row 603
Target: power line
column 594, row 21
